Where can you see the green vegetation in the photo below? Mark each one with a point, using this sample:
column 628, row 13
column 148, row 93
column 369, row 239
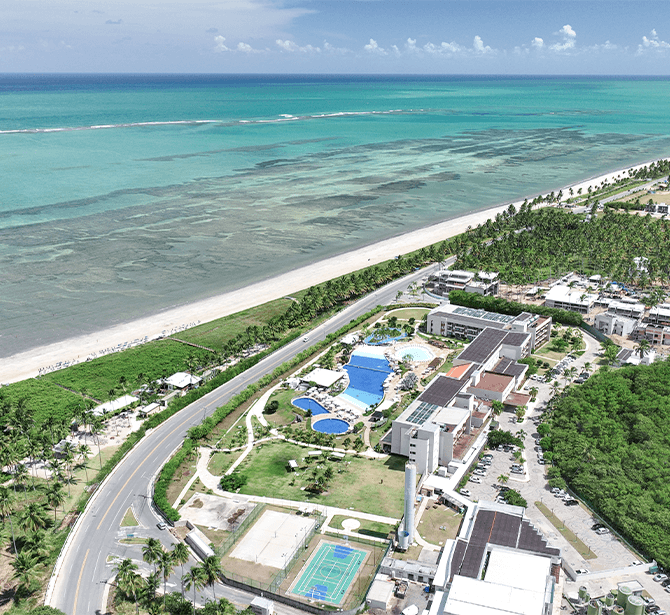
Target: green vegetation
column 129, row 519
column 554, row 242
column 609, row 439
column 568, row 534
column 502, row 306
column 438, row 524
column 373, row 486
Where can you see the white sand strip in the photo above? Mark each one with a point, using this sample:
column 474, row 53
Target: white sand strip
column 27, row 364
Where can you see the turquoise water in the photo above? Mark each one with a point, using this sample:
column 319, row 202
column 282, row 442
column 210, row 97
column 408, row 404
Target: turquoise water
column 126, row 195
column 307, row 403
column 331, row 426
column 417, row 353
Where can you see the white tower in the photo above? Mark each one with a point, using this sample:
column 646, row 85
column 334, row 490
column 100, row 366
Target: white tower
column 410, row 496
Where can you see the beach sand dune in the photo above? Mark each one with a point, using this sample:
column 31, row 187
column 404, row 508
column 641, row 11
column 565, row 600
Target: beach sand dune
column 27, row 364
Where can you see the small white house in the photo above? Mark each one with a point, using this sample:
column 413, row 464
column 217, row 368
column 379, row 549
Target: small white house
column 182, row 380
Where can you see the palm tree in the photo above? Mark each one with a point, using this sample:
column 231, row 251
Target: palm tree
column 33, row 516
column 128, row 580
column 24, row 569
column 37, row 542
column 180, row 556
column 165, row 565
column 83, row 450
column 503, row 478
column 21, row 477
column 642, row 347
column 212, row 568
column 6, row 510
column 194, row 578
column 55, row 496
column 152, row 551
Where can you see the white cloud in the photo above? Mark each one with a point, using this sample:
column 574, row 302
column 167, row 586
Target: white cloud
column 246, row 48
column 373, row 47
column 652, row 43
column 569, row 39
column 479, row 47
column 411, row 45
column 328, row 48
column 443, row 48
column 292, row 47
column 220, row 47
column 537, row 42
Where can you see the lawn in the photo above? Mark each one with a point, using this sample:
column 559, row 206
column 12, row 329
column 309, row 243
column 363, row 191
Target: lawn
column 286, row 412
column 367, row 528
column 568, row 534
column 374, row 486
column 438, row 524
column 220, row 462
column 407, row 313
column 218, row 332
column 183, row 474
column 129, row 519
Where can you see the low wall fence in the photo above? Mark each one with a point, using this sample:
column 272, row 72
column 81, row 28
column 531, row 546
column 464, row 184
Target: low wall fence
column 592, row 331
column 228, row 543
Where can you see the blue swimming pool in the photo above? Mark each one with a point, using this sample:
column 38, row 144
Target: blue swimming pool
column 307, row 403
column 366, row 378
column 331, row 426
column 386, row 339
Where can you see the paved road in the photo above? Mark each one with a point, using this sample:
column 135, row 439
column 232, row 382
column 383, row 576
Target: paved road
column 85, row 569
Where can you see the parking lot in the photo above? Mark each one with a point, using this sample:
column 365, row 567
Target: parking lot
column 611, row 554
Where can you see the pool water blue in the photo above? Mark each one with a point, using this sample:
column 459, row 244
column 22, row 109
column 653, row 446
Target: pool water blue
column 307, row 403
column 335, row 426
column 366, row 379
column 416, row 352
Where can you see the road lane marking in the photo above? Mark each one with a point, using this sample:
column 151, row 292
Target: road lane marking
column 76, row 594
column 138, row 467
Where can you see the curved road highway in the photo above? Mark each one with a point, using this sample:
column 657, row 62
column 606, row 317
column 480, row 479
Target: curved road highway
column 85, row 568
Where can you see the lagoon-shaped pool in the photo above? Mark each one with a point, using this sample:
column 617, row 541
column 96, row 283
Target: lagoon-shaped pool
column 307, row 403
column 418, row 353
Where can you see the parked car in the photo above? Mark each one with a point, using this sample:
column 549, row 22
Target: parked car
column 476, row 479
column 571, row 502
column 479, row 472
column 517, row 471
column 581, row 571
column 595, row 526
column 465, row 492
column 556, row 490
column 660, row 577
column 542, row 461
column 603, row 530
column 487, row 456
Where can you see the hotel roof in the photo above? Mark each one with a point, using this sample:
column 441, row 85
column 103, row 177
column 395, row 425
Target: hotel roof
column 442, row 390
column 494, row 382
column 458, row 371
column 483, row 346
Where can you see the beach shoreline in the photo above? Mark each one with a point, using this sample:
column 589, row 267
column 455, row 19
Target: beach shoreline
column 27, row 364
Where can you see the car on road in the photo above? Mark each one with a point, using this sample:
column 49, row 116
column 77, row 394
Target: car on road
column 660, row 577
column 603, row 530
column 465, row 492
column 162, row 525
column 305, row 339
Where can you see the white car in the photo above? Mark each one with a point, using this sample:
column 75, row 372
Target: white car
column 479, row 472
column 476, row 479
column 603, row 530
column 465, row 492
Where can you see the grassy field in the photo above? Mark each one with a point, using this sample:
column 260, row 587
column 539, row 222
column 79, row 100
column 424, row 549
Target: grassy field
column 218, row 332
column 407, row 313
column 286, row 412
column 183, row 474
column 43, row 398
column 220, row 462
column 367, row 528
column 101, row 377
column 374, row 486
column 438, row 524
column 568, row 534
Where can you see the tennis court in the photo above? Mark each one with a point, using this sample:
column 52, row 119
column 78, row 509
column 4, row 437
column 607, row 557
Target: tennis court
column 329, row 573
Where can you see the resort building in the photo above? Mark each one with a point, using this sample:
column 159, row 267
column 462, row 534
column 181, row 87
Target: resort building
column 564, row 298
column 659, row 315
column 498, row 563
column 658, row 335
column 429, row 430
column 612, row 324
column 182, row 381
column 467, row 323
column 482, row 283
column 656, row 208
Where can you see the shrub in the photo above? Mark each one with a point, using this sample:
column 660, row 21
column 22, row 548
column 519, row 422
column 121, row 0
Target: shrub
column 271, row 407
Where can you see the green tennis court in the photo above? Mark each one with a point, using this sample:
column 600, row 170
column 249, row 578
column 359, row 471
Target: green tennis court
column 329, row 573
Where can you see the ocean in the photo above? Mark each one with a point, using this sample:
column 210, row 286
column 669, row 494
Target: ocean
column 124, row 195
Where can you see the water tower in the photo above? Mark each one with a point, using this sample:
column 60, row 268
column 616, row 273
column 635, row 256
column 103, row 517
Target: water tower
column 410, row 496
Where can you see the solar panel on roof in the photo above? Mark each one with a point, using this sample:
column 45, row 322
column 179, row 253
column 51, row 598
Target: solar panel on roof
column 422, row 413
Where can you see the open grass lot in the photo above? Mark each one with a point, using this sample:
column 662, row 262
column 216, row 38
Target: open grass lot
column 215, row 537
column 374, row 486
column 183, row 474
column 567, row 533
column 367, row 528
column 220, row 462
column 286, row 412
column 43, row 398
column 129, row 519
column 218, row 332
column 407, row 313
column 439, row 524
column 153, row 360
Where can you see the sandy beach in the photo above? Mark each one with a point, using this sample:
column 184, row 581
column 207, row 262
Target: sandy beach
column 27, row 364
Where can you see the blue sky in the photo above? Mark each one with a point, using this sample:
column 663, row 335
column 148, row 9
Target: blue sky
column 337, row 36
